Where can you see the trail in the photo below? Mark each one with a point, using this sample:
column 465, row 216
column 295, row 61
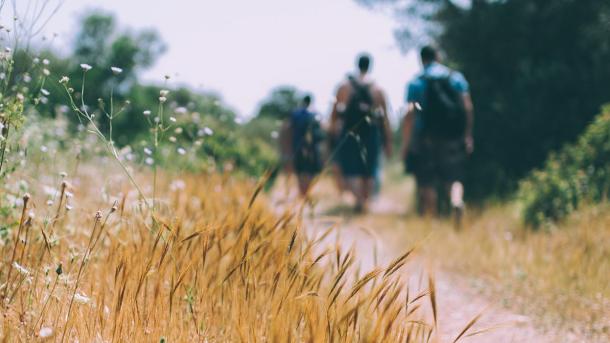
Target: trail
column 377, row 240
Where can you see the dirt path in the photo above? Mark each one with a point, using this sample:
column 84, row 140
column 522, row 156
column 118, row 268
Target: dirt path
column 377, row 242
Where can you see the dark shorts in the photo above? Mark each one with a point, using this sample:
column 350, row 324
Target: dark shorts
column 437, row 162
column 309, row 163
column 359, row 157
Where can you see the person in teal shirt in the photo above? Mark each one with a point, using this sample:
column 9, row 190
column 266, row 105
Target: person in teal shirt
column 437, row 161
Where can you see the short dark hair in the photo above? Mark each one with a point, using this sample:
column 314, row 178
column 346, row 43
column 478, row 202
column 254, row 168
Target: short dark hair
column 364, row 62
column 307, row 100
column 428, row 53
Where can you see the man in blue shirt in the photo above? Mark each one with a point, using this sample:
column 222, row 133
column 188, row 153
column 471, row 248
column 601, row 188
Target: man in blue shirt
column 306, row 136
column 437, row 159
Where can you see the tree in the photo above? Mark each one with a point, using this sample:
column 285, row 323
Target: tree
column 279, row 103
column 538, row 70
column 101, row 44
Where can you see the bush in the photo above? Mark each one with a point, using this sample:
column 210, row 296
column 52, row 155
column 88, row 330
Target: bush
column 579, row 173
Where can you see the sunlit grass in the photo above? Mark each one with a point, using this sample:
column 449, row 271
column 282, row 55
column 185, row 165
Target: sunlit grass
column 561, row 276
column 214, row 264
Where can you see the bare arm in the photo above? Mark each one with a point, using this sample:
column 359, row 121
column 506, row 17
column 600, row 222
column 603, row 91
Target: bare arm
column 407, row 128
column 338, row 107
column 387, row 131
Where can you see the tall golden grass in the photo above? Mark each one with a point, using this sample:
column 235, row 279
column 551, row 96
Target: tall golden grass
column 213, row 264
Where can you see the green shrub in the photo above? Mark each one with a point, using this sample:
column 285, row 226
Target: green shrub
column 579, row 173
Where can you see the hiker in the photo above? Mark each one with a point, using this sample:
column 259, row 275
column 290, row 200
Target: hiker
column 437, row 133
column 359, row 118
column 306, row 136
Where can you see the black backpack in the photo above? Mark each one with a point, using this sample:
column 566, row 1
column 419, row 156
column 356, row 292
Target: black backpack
column 359, row 115
column 307, row 136
column 443, row 112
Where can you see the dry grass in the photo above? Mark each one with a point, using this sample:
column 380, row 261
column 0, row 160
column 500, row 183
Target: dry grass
column 561, row 277
column 215, row 265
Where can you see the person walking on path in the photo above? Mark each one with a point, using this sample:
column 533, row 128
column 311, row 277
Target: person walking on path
column 306, row 135
column 359, row 118
column 437, row 133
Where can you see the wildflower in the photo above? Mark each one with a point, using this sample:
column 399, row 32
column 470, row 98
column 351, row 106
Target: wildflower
column 44, row 148
column 45, row 332
column 177, row 185
column 44, row 92
column 64, row 80
column 69, row 207
column 63, row 175
column 45, row 62
column 36, row 60
column 2, row 76
column 146, row 113
column 116, row 70
column 274, row 134
column 69, row 194
column 8, row 50
column 181, row 110
column 157, row 119
column 81, row 298
column 162, row 99
column 178, row 130
column 172, row 119
column 208, row 131
column 147, row 151
column 49, row 202
column 85, row 67
column 172, row 139
column 149, row 161
column 181, row 151
column 27, row 78
column 46, row 72
column 20, row 97
column 21, row 269
column 164, row 92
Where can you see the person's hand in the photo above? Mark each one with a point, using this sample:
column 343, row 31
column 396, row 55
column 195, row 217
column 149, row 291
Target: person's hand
column 388, row 150
column 469, row 143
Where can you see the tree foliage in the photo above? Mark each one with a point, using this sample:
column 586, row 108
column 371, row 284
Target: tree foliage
column 576, row 175
column 538, row 70
column 280, row 103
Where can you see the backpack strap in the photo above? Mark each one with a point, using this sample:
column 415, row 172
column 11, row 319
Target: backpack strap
column 357, row 85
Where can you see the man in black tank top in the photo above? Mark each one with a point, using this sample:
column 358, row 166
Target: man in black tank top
column 359, row 121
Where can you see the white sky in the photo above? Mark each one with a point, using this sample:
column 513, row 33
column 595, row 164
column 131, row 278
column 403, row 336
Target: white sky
column 244, row 48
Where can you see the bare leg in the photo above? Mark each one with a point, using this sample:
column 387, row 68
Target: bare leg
column 339, row 180
column 304, row 184
column 428, row 200
column 456, row 194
